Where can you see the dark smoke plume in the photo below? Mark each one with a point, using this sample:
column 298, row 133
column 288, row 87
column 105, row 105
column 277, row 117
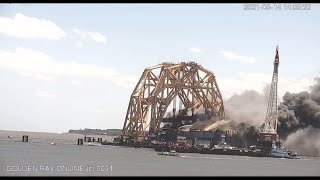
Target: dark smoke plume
column 299, row 120
column 299, row 110
column 245, row 137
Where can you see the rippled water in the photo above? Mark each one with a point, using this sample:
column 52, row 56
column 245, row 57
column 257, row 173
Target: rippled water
column 39, row 157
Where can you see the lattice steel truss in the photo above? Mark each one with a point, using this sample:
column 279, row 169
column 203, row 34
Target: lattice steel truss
column 159, row 85
column 272, row 111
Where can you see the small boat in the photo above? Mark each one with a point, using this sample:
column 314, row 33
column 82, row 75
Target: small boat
column 277, row 152
column 170, row 153
column 281, row 153
column 163, row 153
column 10, row 137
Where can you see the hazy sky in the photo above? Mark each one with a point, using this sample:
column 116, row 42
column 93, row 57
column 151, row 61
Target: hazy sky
column 71, row 66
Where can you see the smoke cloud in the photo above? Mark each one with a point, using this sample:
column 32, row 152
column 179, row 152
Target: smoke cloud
column 250, row 107
column 299, row 120
column 246, row 113
column 304, row 141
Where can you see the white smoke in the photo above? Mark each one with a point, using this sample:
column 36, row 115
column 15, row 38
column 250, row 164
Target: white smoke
column 249, row 107
column 304, row 141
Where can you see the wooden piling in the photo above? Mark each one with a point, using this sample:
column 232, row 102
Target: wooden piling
column 80, row 141
column 25, row 138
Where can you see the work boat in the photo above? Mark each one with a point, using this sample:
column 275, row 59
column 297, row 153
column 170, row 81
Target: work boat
column 282, row 153
column 170, row 153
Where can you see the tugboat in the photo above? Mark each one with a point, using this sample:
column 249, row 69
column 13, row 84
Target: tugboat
column 278, row 152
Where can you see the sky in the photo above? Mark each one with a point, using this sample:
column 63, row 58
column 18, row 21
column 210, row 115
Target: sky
column 72, row 66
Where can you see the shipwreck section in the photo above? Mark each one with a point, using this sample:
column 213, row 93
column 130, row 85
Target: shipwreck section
column 200, row 124
column 161, row 86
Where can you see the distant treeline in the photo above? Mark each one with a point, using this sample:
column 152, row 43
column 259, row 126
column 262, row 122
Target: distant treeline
column 110, row 132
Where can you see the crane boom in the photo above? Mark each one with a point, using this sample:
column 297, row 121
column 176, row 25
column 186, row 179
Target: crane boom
column 271, row 118
column 268, row 134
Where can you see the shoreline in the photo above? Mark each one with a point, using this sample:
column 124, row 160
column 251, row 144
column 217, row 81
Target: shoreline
column 47, row 137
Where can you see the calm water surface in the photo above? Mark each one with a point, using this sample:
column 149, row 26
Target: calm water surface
column 39, row 158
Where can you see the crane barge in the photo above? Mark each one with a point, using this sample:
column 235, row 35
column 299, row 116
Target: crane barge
column 268, row 140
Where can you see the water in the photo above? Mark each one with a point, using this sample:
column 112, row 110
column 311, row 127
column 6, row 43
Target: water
column 39, row 158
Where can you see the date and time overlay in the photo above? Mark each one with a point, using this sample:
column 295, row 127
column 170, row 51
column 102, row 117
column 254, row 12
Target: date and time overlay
column 277, row 7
